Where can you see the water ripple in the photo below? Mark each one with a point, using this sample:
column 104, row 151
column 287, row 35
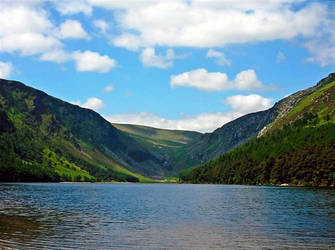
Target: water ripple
column 150, row 216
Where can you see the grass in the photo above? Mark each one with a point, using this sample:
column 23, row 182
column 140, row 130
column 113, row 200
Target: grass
column 65, row 168
column 309, row 99
column 104, row 162
column 163, row 137
column 313, row 103
column 141, row 178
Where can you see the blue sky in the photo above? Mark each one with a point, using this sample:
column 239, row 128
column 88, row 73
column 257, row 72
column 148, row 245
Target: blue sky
column 177, row 64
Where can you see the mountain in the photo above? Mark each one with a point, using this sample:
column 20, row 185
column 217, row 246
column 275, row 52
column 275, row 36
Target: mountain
column 182, row 149
column 44, row 138
column 159, row 138
column 211, row 145
column 297, row 147
column 165, row 144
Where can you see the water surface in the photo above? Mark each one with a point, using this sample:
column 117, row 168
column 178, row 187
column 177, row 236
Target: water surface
column 170, row 216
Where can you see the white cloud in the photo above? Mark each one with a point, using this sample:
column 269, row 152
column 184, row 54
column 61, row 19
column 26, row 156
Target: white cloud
column 322, row 53
column 248, row 103
column 180, row 23
column 280, row 57
column 108, row 88
column 72, row 29
column 25, row 29
column 216, row 81
column 220, row 56
column 128, row 41
column 322, row 45
column 247, row 80
column 88, row 61
column 245, row 5
column 92, row 61
column 102, row 25
column 123, row 4
column 28, row 43
column 70, row 7
column 21, row 19
column 57, row 55
column 91, row 103
column 201, row 79
column 6, row 69
column 149, row 58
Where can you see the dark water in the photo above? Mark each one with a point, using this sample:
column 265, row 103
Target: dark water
column 151, row 216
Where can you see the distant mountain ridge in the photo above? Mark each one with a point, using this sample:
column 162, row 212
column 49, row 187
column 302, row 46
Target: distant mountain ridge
column 297, row 147
column 211, row 145
column 67, row 142
column 81, row 137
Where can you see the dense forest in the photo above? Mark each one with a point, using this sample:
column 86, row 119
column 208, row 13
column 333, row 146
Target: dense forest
column 299, row 155
column 298, row 148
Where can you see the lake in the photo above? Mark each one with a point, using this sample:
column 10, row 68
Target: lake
column 167, row 216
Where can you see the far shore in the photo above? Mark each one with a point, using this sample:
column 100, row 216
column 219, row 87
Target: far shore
column 176, row 182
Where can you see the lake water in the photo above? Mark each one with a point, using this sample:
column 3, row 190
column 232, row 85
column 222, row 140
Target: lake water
column 167, row 216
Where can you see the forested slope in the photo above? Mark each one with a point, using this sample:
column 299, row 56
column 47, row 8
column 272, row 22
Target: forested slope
column 298, row 148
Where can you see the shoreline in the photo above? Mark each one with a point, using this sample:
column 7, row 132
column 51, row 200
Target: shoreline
column 285, row 185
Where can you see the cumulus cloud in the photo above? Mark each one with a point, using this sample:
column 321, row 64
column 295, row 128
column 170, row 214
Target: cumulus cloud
column 6, row 69
column 124, row 4
column 72, row 29
column 57, row 55
column 221, row 59
column 128, row 41
column 102, row 25
column 248, row 103
column 108, row 88
column 247, row 80
column 201, row 79
column 25, row 26
column 149, row 58
column 179, row 23
column 25, row 30
column 217, row 81
column 87, row 61
column 322, row 46
column 93, row 103
column 93, row 62
column 70, row 7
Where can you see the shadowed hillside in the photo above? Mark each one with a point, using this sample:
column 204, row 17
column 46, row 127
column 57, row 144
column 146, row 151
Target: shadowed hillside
column 40, row 133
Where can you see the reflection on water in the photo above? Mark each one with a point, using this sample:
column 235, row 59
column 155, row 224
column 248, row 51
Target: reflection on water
column 100, row 216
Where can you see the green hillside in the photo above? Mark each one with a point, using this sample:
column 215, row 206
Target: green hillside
column 159, row 137
column 168, row 145
column 45, row 139
column 318, row 108
column 209, row 146
column 297, row 148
